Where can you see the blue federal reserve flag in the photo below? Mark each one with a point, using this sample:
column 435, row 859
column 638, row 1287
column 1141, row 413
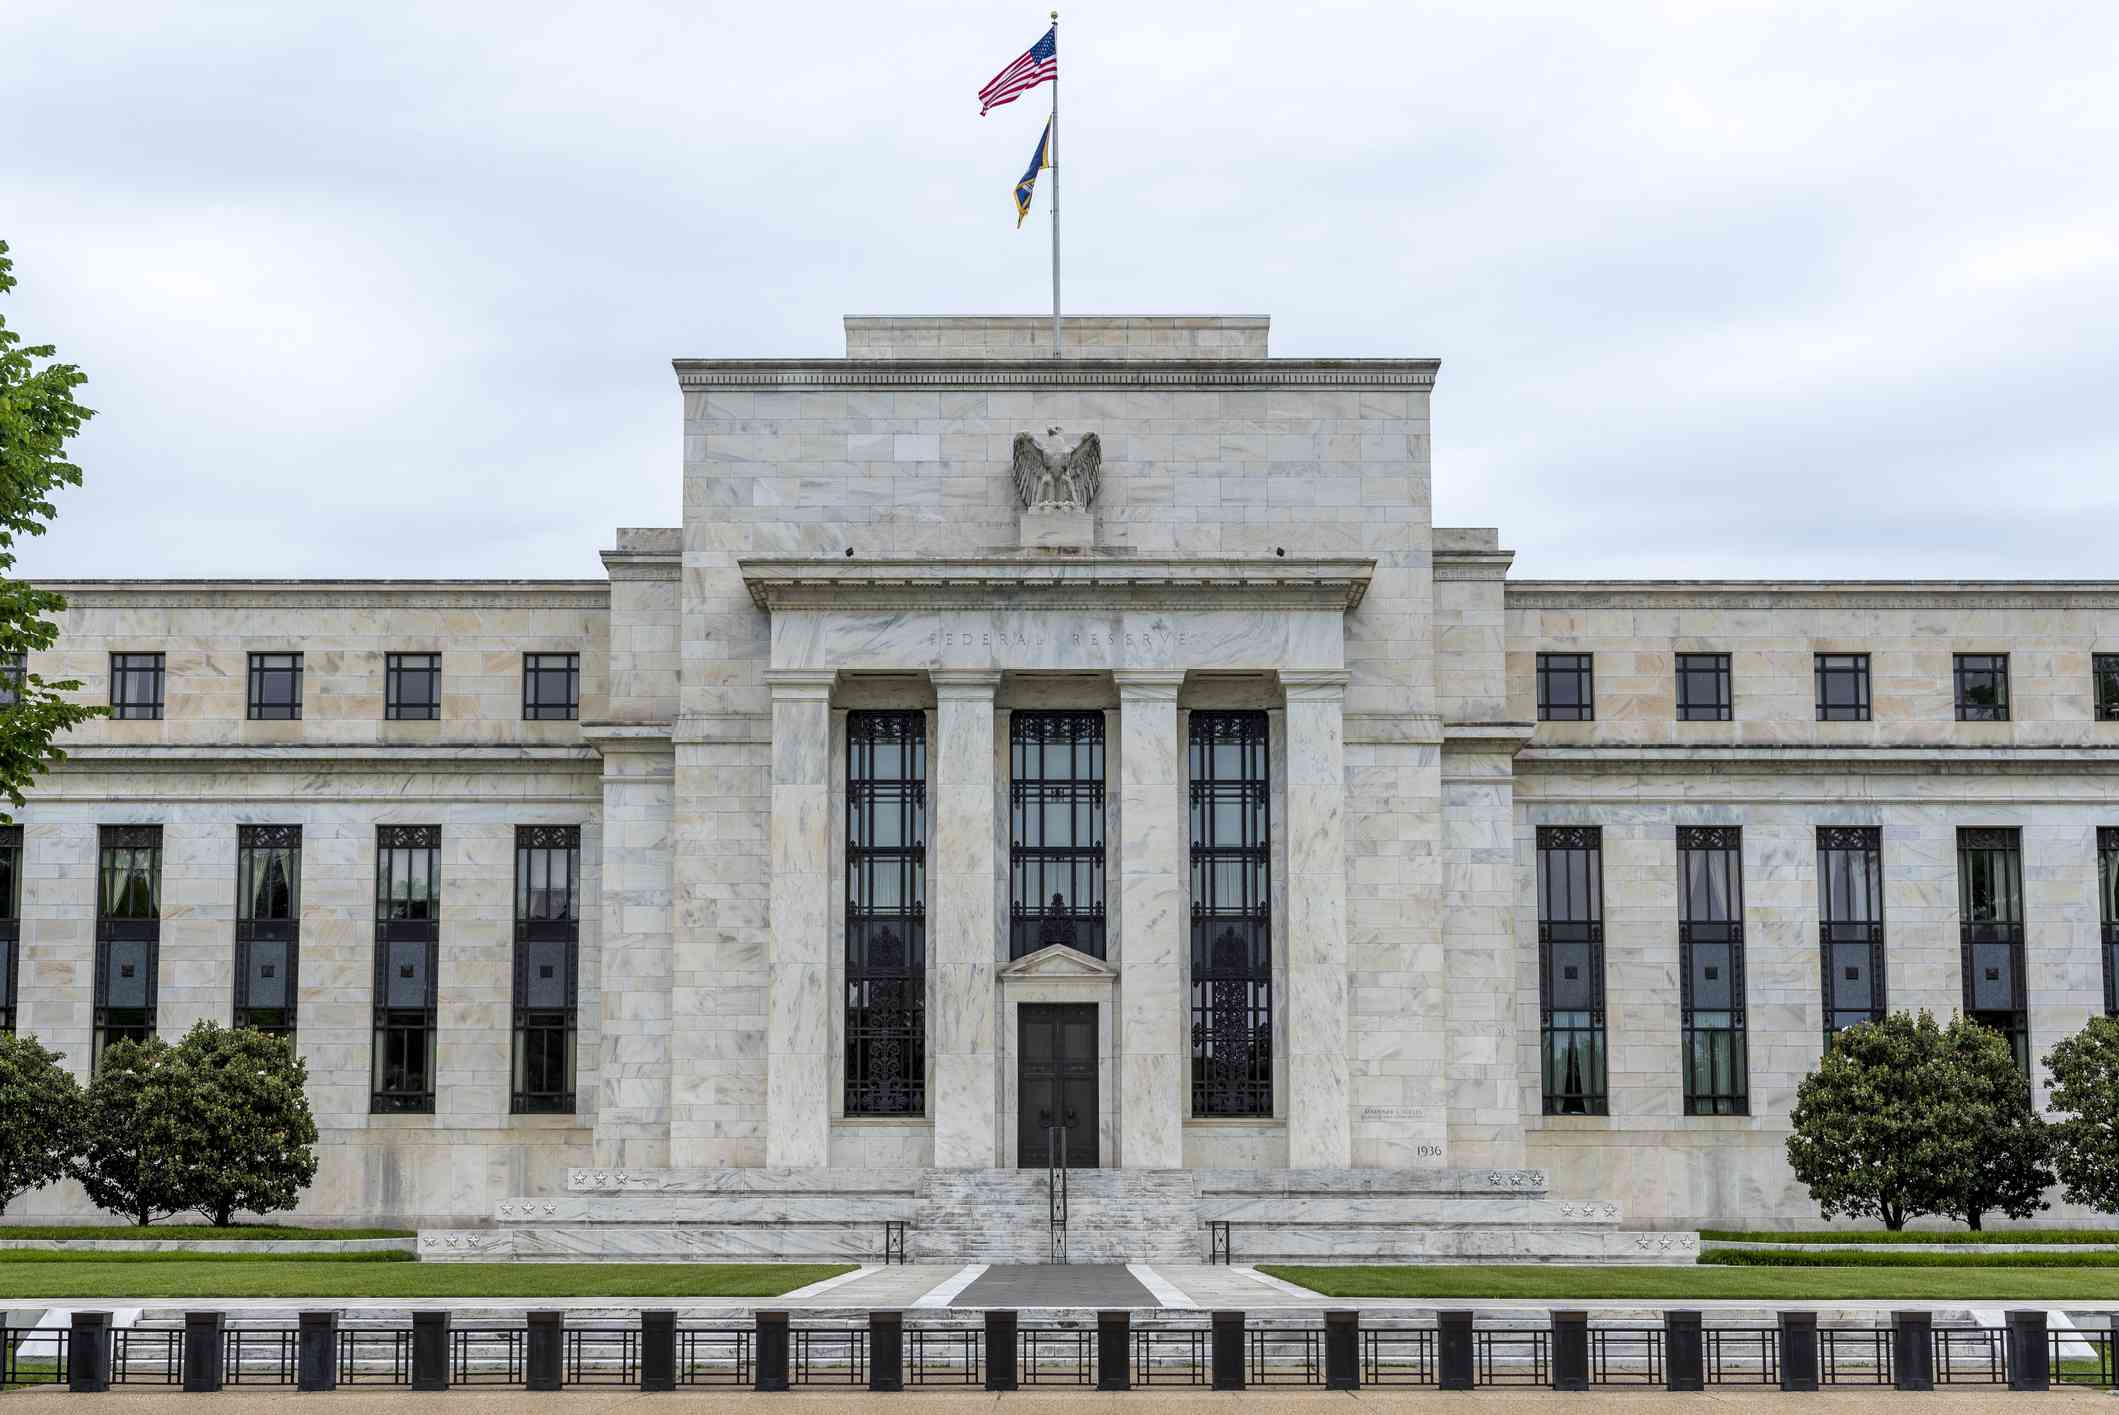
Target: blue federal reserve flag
column 1025, row 188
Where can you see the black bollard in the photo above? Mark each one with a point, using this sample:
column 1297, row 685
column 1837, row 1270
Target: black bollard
column 1000, row 1351
column 1570, row 1351
column 204, row 1335
column 658, row 1351
column 316, row 1355
column 430, row 1351
column 2030, row 1352
column 1684, row 1354
column 1114, row 1342
column 1342, row 1350
column 771, row 1353
column 543, row 1353
column 886, row 1351
column 1798, row 1352
column 88, row 1352
column 1913, row 1350
column 1228, row 1351
column 1453, row 1353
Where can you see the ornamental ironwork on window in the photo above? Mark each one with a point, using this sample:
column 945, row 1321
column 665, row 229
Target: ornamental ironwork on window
column 1704, row 693
column 551, row 687
column 1982, row 681
column 1056, row 832
column 1850, row 924
column 886, row 913
column 2108, row 907
column 1567, row 687
column 1571, row 970
column 412, row 687
column 268, row 924
column 137, row 685
column 2104, row 677
column 275, row 686
column 407, row 961
column 1232, row 915
column 1990, row 914
column 128, row 935
column 10, row 922
column 1711, row 970
column 1842, row 687
column 547, row 967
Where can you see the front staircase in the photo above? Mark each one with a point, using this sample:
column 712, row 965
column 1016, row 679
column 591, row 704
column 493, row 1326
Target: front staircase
column 1004, row 1216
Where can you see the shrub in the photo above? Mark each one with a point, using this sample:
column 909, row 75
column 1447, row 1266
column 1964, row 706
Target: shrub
column 2010, row 1143
column 129, row 1132
column 244, row 1138
column 42, row 1103
column 2085, row 1071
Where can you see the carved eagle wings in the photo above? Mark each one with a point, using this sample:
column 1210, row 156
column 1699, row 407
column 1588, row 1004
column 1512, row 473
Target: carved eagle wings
column 1042, row 480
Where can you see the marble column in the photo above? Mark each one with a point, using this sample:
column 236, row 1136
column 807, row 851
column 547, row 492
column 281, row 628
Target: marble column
column 797, row 968
column 960, row 923
column 1151, row 1044
column 1319, row 1132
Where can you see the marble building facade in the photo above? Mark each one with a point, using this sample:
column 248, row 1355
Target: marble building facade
column 1259, row 550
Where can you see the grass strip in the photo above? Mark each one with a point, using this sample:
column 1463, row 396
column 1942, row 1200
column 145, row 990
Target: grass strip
column 1776, row 1284
column 240, row 1233
column 65, row 1257
column 305, row 1277
column 1821, row 1258
column 2017, row 1235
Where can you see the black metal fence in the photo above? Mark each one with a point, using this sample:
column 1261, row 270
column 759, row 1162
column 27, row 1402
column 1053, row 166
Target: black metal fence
column 1222, row 1350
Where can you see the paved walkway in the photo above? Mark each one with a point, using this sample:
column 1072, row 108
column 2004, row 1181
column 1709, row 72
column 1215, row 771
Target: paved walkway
column 1017, row 1286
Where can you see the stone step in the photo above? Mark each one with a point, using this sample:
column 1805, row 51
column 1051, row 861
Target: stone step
column 1355, row 1244
column 853, row 1243
column 1490, row 1183
column 667, row 1209
column 780, row 1180
column 1278, row 1210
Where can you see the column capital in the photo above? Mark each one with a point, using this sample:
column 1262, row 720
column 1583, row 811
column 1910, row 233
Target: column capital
column 1148, row 685
column 800, row 684
column 1314, row 685
column 964, row 684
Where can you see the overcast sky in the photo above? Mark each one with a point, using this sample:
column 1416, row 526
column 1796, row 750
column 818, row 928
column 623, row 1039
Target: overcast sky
column 1719, row 289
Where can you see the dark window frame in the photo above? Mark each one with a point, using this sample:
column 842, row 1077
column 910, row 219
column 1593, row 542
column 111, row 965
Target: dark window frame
column 1582, row 668
column 10, row 925
column 2104, row 686
column 398, row 669
column 129, row 924
column 1991, row 917
column 14, row 675
column 398, row 923
column 885, row 1006
column 1080, row 922
column 2108, row 908
column 1859, row 927
column 544, row 919
column 537, row 704
column 124, row 706
column 1232, row 1046
column 1854, row 669
column 1583, row 1035
column 276, row 929
column 1716, row 1040
column 1971, row 672
column 1719, row 704
column 267, row 669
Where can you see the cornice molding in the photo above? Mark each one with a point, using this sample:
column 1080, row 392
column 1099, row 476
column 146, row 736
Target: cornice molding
column 1654, row 758
column 1075, row 583
column 1811, row 594
column 329, row 756
column 1057, row 374
column 332, row 594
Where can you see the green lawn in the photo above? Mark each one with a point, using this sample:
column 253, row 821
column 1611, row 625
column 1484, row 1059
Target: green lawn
column 133, row 1233
column 1985, row 1235
column 184, row 1276
column 1911, row 1258
column 1683, row 1283
column 74, row 1257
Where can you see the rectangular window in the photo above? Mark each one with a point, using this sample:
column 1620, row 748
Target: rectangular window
column 128, row 934
column 14, row 672
column 1571, row 969
column 407, row 961
column 1703, row 687
column 2104, row 672
column 886, row 913
column 1711, row 969
column 1567, row 687
column 268, row 925
column 2108, row 906
column 1056, row 831
column 10, row 922
column 1990, row 911
column 1850, row 924
column 551, row 687
column 1982, row 687
column 547, row 967
column 412, row 687
column 275, row 686
column 136, row 689
column 1843, row 687
column 1232, row 915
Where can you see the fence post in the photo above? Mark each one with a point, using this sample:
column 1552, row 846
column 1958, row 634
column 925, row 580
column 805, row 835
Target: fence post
column 1570, row 1350
column 1453, row 1350
column 1684, row 1358
column 1228, row 1351
column 2030, row 1354
column 771, row 1352
column 658, row 1350
column 886, row 1351
column 542, row 1350
column 88, row 1352
column 430, row 1351
column 203, row 1335
column 1342, row 1350
column 1913, row 1350
column 1000, row 1351
column 1114, row 1351
column 1798, row 1353
column 316, row 1355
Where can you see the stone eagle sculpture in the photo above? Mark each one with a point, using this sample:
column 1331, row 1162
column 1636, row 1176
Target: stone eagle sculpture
column 1048, row 479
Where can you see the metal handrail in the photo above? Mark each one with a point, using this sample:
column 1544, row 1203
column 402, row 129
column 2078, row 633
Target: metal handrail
column 1056, row 1188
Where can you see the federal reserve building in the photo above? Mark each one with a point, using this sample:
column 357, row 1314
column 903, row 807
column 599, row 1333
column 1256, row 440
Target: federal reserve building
column 1094, row 770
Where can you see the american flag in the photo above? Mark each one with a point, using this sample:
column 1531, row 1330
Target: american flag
column 1039, row 63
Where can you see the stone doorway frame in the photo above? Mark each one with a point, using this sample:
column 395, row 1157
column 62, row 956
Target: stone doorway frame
column 1057, row 973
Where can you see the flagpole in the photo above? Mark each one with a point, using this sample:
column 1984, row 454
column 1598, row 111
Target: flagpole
column 1054, row 164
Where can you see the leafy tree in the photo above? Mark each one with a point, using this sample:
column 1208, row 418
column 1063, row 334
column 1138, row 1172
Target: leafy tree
column 2010, row 1144
column 1877, row 1132
column 37, row 415
column 129, row 1132
column 244, row 1138
column 42, row 1103
column 2085, row 1071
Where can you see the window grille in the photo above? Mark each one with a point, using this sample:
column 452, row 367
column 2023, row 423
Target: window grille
column 412, row 687
column 1711, row 970
column 1703, row 687
column 268, row 923
column 1571, row 969
column 1232, row 915
column 128, row 935
column 137, row 685
column 275, row 686
column 2108, row 906
column 14, row 672
column 2104, row 675
column 1982, row 687
column 547, row 967
column 1843, row 687
column 1056, row 831
column 1850, row 909
column 551, row 687
column 1990, row 913
column 1567, row 688
column 886, row 913
column 10, row 922
column 407, row 960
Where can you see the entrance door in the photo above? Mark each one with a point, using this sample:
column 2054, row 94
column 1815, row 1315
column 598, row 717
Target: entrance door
column 1055, row 1078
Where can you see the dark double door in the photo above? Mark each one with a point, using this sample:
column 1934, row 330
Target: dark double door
column 1055, row 1079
